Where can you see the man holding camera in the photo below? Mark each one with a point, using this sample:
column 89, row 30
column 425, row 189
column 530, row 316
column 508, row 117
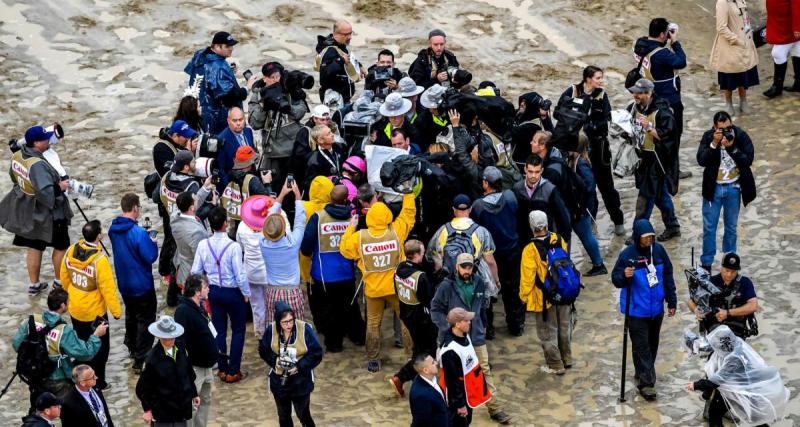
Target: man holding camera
column 382, row 77
column 337, row 69
column 219, row 90
column 181, row 178
column 432, row 63
column 87, row 277
column 36, row 209
column 734, row 305
column 234, row 136
column 276, row 108
column 726, row 152
column 661, row 56
column 243, row 182
column 180, row 136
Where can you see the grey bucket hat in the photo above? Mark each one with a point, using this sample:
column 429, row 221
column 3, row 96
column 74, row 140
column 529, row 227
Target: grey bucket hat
column 165, row 327
column 432, row 96
column 394, row 105
column 406, row 87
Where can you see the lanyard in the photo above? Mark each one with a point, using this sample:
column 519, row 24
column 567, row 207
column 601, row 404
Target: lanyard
column 334, row 164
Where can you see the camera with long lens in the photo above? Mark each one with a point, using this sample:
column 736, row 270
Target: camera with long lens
column 297, row 82
column 57, row 130
column 458, row 77
column 728, row 133
column 286, row 363
column 205, row 167
column 273, row 99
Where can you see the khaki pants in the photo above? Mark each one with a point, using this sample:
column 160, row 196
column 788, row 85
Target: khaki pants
column 555, row 334
column 493, row 404
column 375, row 307
column 204, row 378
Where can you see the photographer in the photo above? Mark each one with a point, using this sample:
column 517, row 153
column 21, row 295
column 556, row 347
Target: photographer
column 590, row 92
column 382, row 77
column 276, row 107
column 181, row 178
column 393, row 110
column 36, row 209
column 432, row 120
column 179, row 136
column 291, row 349
column 726, row 152
column 338, row 69
column 243, row 181
column 532, row 116
column 219, row 90
column 734, row 305
column 431, row 65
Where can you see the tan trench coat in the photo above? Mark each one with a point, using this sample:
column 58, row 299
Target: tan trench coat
column 733, row 50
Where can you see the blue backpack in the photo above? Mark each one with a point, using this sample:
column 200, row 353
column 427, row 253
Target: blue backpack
column 562, row 284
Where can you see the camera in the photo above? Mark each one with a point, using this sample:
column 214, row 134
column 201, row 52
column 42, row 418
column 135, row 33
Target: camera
column 273, row 99
column 296, row 81
column 381, row 74
column 701, row 290
column 286, row 363
column 80, row 188
column 728, row 133
column 458, row 77
column 58, row 133
column 97, row 322
column 205, row 167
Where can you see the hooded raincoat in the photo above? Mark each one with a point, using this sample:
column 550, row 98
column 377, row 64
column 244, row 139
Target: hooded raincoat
column 86, row 275
column 319, row 195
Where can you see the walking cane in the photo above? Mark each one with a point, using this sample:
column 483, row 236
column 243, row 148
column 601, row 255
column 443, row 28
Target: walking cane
column 5, row 389
column 87, row 220
column 625, row 341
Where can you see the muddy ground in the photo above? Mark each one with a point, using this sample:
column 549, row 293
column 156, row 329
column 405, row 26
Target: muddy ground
column 110, row 71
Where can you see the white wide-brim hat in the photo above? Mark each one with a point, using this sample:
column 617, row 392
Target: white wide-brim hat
column 394, row 105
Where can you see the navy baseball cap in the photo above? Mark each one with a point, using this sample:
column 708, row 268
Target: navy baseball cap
column 462, row 202
column 732, row 261
column 183, row 129
column 224, row 37
column 37, row 133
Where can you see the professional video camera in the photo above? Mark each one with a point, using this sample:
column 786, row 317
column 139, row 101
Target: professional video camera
column 381, row 73
column 701, row 290
column 292, row 83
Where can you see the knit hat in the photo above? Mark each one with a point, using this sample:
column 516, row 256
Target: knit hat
column 245, row 157
column 275, row 227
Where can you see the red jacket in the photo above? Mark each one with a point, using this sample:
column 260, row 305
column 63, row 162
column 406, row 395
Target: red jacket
column 783, row 19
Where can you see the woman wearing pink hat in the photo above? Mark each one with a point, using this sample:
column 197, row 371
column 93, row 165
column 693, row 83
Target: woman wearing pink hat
column 354, row 170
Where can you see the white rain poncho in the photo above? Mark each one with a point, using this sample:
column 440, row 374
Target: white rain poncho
column 753, row 391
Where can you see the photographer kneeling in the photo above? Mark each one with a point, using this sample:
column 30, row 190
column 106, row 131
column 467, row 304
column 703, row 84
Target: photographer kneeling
column 277, row 105
column 734, row 305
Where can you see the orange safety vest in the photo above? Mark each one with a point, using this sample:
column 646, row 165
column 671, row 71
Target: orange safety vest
column 475, row 386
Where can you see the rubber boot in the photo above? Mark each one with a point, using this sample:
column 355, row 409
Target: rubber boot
column 777, row 81
column 796, row 67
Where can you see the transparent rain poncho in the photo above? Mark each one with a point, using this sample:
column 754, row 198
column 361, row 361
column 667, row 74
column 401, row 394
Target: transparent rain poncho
column 753, row 391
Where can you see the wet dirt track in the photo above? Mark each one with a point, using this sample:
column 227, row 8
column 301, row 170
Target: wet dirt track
column 110, row 71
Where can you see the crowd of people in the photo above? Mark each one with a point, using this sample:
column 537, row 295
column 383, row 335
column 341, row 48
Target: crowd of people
column 259, row 220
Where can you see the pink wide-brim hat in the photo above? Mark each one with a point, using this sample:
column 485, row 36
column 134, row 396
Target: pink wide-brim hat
column 255, row 210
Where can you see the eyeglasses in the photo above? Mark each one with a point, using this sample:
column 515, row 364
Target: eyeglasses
column 287, row 321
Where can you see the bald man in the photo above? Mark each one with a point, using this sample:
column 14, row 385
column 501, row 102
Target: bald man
column 332, row 289
column 334, row 56
column 236, row 135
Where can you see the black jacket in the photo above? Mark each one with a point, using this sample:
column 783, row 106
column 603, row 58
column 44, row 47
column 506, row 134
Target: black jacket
column 454, row 372
column 599, row 111
column 468, row 171
column 256, row 187
column 427, row 130
column 545, row 198
column 422, row 67
column 164, row 154
column 332, row 74
column 428, row 407
column 425, row 292
column 197, row 339
column 34, row 420
column 741, row 152
column 318, row 165
column 166, row 386
column 371, row 84
column 653, row 172
column 380, row 128
column 76, row 412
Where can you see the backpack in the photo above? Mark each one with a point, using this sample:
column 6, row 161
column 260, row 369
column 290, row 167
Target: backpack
column 562, row 283
column 572, row 116
column 33, row 360
column 458, row 242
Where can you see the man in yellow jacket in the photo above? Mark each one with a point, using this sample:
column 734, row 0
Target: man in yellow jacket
column 86, row 275
column 378, row 250
column 553, row 322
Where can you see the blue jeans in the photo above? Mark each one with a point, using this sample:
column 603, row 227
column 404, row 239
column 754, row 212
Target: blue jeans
column 228, row 303
column 727, row 199
column 644, row 208
column 583, row 229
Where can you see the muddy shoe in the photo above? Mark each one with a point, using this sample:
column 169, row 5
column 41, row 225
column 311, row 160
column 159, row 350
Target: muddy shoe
column 35, row 289
column 374, row 366
column 744, row 107
column 501, row 417
column 230, row 379
column 397, row 385
column 596, row 270
column 648, row 393
column 684, row 174
column 619, row 230
column 668, row 234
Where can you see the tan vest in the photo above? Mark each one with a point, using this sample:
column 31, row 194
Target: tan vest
column 167, row 196
column 330, row 231
column 20, row 169
column 598, row 97
column 406, row 288
column 352, row 72
column 379, row 253
column 648, row 144
column 53, row 338
column 296, row 349
column 503, row 158
column 84, row 278
column 232, row 198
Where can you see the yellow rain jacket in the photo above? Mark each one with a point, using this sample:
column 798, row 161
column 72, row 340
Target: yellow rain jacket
column 86, row 275
column 533, row 270
column 379, row 221
column 319, row 194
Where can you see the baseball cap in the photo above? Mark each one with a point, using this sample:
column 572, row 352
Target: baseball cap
column 47, row 400
column 537, row 220
column 491, row 175
column 731, row 261
column 642, row 86
column 37, row 133
column 182, row 158
column 271, row 67
column 321, row 112
column 182, row 128
column 462, row 202
column 224, row 37
column 458, row 314
column 465, row 258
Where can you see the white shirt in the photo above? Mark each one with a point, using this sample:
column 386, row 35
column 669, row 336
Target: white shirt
column 433, row 384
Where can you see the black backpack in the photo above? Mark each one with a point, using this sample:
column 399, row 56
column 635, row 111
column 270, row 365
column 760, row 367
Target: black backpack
column 458, row 242
column 33, row 360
